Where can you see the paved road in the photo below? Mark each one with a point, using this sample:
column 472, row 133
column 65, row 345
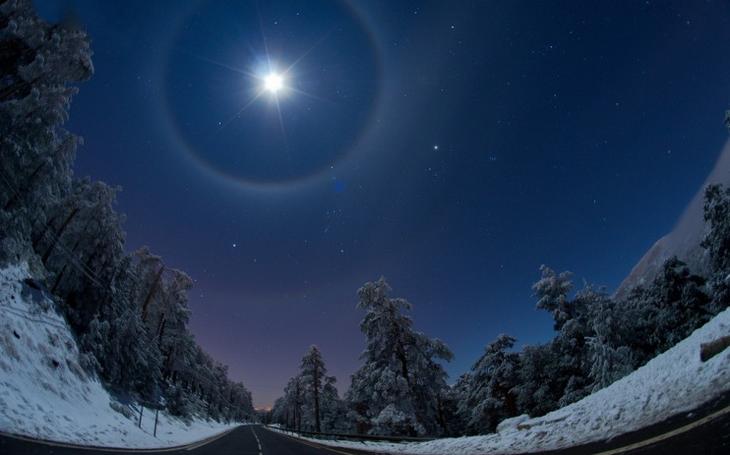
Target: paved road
column 704, row 431
column 709, row 438
column 244, row 440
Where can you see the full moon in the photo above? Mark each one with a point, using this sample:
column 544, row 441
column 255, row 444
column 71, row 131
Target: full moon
column 273, row 82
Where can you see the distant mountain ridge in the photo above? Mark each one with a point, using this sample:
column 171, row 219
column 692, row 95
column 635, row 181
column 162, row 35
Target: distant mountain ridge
column 684, row 240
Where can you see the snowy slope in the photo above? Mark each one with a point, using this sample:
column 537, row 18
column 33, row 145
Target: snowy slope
column 45, row 394
column 673, row 382
column 684, row 240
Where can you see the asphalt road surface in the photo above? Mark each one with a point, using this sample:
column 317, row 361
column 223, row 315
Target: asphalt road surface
column 244, row 440
column 686, row 434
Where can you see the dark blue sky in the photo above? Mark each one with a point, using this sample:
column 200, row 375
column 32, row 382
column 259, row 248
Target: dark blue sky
column 567, row 133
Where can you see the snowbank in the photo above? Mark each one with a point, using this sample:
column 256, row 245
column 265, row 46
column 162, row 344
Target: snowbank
column 44, row 393
column 673, row 382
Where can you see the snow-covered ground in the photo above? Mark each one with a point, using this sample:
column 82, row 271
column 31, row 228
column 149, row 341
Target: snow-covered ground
column 673, row 382
column 45, row 394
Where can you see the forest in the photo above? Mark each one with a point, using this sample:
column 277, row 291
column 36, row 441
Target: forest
column 402, row 389
column 129, row 310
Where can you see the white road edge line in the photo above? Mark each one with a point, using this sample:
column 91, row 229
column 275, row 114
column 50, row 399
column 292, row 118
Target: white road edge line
column 312, row 444
column 70, row 445
column 209, row 440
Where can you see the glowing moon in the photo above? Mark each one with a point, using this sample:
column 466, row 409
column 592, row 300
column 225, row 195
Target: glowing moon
column 273, row 82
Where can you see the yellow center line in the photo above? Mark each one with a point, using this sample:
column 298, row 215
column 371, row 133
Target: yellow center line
column 626, row 448
column 667, row 435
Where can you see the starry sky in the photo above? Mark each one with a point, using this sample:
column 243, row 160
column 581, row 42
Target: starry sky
column 451, row 147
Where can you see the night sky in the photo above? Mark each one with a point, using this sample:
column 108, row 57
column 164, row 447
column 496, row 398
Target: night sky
column 452, row 147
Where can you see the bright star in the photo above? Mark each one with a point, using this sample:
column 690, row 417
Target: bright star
column 273, row 82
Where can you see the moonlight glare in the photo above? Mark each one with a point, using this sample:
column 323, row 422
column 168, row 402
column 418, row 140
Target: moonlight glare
column 273, row 83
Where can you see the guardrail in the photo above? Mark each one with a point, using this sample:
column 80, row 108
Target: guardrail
column 352, row 437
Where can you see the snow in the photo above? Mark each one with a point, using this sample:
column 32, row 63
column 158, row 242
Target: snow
column 684, row 240
column 44, row 393
column 671, row 383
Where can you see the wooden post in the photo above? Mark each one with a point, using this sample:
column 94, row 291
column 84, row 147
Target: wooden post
column 141, row 408
column 157, row 413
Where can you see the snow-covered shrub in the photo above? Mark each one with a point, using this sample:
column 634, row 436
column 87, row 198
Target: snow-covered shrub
column 392, row 420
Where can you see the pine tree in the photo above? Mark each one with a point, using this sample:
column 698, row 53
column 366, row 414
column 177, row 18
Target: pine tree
column 129, row 312
column 552, row 293
column 539, row 389
column 38, row 62
column 334, row 411
column 314, row 377
column 610, row 357
column 310, row 400
column 490, row 396
column 398, row 388
column 717, row 244
column 558, row 373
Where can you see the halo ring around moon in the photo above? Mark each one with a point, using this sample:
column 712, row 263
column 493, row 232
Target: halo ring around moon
column 320, row 174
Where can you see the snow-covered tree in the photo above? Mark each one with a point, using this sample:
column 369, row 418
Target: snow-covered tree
column 648, row 321
column 38, row 62
column 314, row 377
column 333, row 408
column 538, row 391
column 717, row 244
column 610, row 357
column 558, row 373
column 310, row 400
column 398, row 388
column 127, row 356
column 294, row 402
column 489, row 394
column 552, row 294
column 665, row 312
column 129, row 312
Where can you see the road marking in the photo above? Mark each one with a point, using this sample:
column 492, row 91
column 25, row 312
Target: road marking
column 662, row 437
column 191, row 446
column 209, row 440
column 634, row 446
column 258, row 442
column 311, row 444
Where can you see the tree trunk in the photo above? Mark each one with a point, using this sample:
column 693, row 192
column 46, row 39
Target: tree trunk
column 151, row 293
column 316, row 399
column 17, row 194
column 73, row 250
column 49, row 224
column 58, row 279
column 161, row 329
column 58, row 235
